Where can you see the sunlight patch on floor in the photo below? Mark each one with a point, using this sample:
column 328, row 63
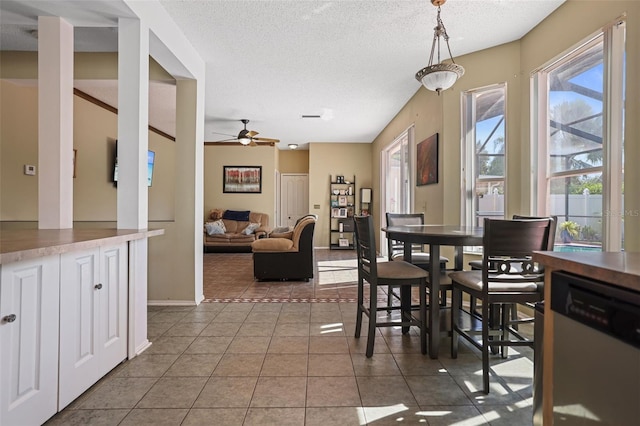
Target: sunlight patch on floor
column 373, row 414
column 331, row 272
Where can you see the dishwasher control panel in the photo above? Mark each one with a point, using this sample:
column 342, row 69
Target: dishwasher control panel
column 602, row 306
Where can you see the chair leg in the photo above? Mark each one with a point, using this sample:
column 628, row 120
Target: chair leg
column 514, row 314
column 456, row 300
column 360, row 305
column 373, row 314
column 494, row 322
column 485, row 347
column 423, row 317
column 506, row 314
column 389, row 298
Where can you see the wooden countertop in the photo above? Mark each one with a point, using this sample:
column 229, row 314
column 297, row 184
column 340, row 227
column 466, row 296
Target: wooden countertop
column 617, row 268
column 22, row 244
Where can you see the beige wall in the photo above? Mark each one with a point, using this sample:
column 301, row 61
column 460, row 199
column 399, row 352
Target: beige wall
column 215, row 157
column 326, row 160
column 293, row 161
column 513, row 63
column 424, row 112
column 95, row 130
column 86, row 65
column 572, row 23
column 18, row 146
column 500, row 64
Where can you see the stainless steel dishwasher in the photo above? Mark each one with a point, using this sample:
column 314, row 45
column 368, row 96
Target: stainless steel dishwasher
column 596, row 356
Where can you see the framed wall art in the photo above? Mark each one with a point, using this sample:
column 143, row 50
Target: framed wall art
column 242, row 179
column 427, row 161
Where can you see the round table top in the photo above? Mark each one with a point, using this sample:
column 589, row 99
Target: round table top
column 437, row 234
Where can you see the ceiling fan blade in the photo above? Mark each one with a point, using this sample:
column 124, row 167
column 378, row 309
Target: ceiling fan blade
column 253, row 143
column 251, row 133
column 267, row 140
column 223, row 134
column 222, row 141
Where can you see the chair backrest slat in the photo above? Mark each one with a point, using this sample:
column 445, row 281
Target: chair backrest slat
column 366, row 247
column 509, row 246
column 552, row 230
column 400, row 219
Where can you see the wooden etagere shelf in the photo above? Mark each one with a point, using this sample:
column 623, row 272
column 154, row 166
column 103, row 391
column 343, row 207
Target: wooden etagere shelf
column 342, row 200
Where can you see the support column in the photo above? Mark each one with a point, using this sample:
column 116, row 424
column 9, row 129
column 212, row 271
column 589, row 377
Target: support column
column 55, row 123
column 133, row 123
column 189, row 199
column 133, row 143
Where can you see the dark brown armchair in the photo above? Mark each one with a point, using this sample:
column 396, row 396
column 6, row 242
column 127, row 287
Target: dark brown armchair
column 286, row 257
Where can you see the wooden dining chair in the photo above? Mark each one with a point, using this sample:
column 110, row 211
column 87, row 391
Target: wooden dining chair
column 395, row 249
column 508, row 276
column 397, row 273
column 513, row 308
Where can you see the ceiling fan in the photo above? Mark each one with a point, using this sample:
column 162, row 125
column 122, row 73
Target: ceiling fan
column 246, row 137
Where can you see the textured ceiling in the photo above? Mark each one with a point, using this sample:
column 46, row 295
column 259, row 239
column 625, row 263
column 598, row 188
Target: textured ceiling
column 351, row 61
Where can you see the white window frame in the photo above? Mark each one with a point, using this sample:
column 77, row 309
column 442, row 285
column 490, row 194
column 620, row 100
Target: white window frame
column 406, row 140
column 468, row 150
column 612, row 133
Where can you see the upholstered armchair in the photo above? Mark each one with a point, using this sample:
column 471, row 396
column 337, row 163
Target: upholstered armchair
column 287, row 255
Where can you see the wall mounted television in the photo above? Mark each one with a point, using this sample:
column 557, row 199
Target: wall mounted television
column 151, row 159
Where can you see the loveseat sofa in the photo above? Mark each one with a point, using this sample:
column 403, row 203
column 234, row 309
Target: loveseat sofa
column 234, row 230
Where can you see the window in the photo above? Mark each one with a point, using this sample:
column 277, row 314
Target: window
column 484, row 143
column 578, row 127
column 396, row 177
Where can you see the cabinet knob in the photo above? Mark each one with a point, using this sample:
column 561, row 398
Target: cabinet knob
column 98, row 286
column 9, row 318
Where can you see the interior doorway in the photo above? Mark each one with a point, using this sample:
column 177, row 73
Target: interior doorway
column 294, row 198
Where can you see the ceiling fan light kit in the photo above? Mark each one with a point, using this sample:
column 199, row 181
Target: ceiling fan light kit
column 246, row 138
column 440, row 76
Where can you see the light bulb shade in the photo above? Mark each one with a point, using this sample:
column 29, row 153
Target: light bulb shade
column 243, row 137
column 440, row 76
column 293, row 146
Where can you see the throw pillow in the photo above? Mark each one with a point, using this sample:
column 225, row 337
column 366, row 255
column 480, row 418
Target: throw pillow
column 240, row 216
column 251, row 228
column 214, row 228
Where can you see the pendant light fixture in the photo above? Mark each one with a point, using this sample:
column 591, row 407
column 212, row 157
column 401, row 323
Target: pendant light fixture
column 440, row 76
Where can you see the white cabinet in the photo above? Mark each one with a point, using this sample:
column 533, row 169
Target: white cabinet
column 29, row 303
column 93, row 317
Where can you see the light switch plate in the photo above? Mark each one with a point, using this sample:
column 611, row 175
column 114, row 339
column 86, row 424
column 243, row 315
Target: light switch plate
column 29, row 170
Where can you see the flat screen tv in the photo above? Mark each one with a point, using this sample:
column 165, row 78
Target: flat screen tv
column 151, row 159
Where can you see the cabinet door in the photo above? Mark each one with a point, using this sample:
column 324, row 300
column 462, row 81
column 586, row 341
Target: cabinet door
column 93, row 308
column 79, row 273
column 29, row 300
column 112, row 309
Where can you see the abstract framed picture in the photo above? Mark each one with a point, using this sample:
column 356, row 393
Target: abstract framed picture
column 242, row 179
column 427, row 161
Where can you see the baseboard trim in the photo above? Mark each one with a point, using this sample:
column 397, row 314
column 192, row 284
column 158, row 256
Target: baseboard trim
column 172, row 302
column 143, row 347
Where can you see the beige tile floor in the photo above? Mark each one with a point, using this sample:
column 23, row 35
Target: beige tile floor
column 297, row 363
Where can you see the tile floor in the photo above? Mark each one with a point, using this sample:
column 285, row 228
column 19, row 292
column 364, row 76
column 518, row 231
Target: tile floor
column 293, row 362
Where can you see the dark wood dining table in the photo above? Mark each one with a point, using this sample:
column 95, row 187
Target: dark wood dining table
column 436, row 236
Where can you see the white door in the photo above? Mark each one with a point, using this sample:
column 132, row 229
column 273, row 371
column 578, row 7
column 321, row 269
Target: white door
column 29, row 301
column 294, row 200
column 93, row 304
